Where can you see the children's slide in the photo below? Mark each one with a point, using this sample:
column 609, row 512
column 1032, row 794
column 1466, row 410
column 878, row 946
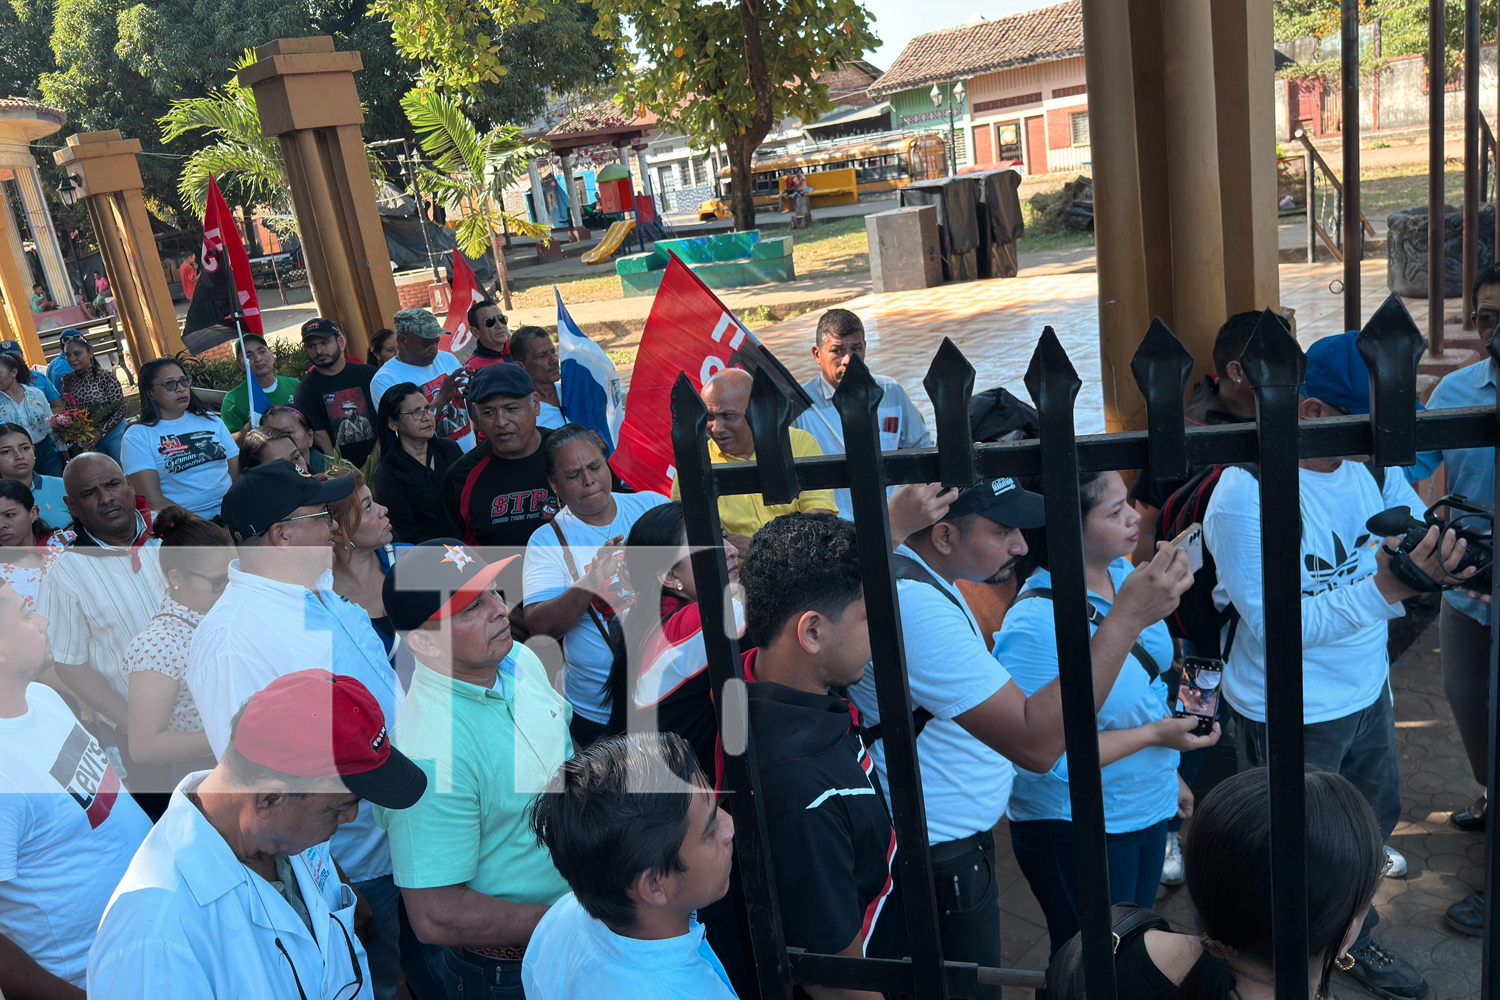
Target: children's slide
column 613, row 237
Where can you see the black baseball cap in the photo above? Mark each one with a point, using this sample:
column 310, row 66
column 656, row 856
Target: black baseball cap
column 501, row 379
column 435, row 580
column 1002, row 501
column 320, row 327
column 267, row 494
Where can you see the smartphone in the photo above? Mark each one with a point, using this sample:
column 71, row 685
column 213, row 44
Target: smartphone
column 1198, row 694
column 1191, row 542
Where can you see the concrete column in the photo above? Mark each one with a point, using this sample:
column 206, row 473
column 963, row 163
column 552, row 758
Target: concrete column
column 1123, row 315
column 15, row 287
column 1244, row 75
column 1150, row 141
column 44, row 234
column 1193, row 183
column 538, row 198
column 307, row 99
column 103, row 166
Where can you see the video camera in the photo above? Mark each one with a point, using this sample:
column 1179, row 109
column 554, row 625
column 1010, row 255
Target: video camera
column 1470, row 521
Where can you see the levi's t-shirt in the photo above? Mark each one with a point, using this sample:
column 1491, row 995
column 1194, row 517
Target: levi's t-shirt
column 453, row 419
column 68, row 831
column 190, row 455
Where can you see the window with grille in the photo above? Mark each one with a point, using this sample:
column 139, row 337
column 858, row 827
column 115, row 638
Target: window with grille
column 1079, row 122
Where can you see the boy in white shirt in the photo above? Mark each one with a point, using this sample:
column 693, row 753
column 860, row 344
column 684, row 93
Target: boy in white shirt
column 1348, row 596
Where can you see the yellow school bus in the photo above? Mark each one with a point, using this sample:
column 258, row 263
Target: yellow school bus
column 883, row 163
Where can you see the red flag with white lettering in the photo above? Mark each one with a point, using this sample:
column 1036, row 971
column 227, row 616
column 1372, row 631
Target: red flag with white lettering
column 466, row 294
column 689, row 330
column 220, row 232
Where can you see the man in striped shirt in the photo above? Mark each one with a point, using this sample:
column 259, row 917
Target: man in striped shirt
column 103, row 591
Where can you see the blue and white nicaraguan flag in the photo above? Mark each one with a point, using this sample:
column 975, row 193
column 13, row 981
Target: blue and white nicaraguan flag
column 590, row 391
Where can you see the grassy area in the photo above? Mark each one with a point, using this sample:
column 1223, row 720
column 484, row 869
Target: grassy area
column 536, row 293
column 1384, row 191
column 837, row 246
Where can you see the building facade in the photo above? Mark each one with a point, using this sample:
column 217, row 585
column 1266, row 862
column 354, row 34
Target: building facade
column 1024, row 103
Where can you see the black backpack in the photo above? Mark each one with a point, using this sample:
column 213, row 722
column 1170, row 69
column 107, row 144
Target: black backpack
column 1197, row 619
column 1065, row 971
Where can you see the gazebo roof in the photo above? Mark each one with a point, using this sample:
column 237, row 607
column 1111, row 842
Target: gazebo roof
column 21, row 117
column 598, row 124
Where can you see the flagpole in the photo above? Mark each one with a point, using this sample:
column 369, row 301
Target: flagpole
column 237, row 310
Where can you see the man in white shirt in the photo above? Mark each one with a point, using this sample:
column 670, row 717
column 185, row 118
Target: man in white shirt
column 103, row 591
column 839, row 337
column 1348, row 595
column 978, row 718
column 634, row 827
column 67, row 829
column 279, row 615
column 441, row 376
column 233, row 894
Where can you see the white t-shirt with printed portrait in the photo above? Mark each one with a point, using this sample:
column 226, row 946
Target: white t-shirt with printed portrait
column 190, row 456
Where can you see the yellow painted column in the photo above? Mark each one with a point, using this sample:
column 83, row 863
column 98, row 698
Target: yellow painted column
column 1244, row 73
column 1192, row 154
column 106, row 175
column 307, row 98
column 1118, row 243
column 15, row 286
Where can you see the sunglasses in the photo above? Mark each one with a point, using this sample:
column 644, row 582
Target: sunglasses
column 215, row 583
column 494, row 320
column 1485, row 320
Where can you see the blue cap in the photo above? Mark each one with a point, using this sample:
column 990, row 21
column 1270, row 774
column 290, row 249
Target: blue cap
column 11, row 347
column 1337, row 375
column 502, row 379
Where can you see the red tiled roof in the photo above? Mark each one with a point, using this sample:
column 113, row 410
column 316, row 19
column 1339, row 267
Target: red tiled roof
column 984, row 47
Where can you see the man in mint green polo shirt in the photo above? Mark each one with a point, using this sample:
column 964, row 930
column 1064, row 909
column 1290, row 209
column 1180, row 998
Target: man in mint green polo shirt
column 488, row 729
column 235, row 410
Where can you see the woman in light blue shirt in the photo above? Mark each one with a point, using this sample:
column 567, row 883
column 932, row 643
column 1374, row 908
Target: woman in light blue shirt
column 1139, row 741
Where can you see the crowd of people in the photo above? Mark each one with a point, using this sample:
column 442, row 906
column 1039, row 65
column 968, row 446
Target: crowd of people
column 270, row 728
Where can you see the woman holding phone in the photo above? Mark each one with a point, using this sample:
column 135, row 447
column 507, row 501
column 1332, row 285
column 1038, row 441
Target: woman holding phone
column 1139, row 740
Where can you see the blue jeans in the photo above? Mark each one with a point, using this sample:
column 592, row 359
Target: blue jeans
column 395, row 947
column 1361, row 747
column 476, row 977
column 1044, row 850
column 111, row 444
column 48, row 461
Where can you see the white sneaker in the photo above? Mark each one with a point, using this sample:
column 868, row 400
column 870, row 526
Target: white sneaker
column 1398, row 863
column 1171, row 869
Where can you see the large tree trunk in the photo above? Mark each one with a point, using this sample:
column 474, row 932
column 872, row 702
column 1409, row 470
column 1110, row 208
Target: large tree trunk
column 741, row 181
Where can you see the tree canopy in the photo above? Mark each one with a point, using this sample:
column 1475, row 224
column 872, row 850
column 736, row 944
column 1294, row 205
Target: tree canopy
column 1403, row 23
column 729, row 72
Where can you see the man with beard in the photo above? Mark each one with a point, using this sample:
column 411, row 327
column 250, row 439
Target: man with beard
column 334, row 382
column 973, row 719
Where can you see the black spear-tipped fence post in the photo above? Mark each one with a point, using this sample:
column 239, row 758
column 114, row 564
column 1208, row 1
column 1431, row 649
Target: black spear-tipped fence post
column 770, row 416
column 858, row 400
column 1054, row 384
column 1276, row 368
column 1162, row 368
column 700, row 510
column 950, row 386
column 1392, row 345
column 1489, row 975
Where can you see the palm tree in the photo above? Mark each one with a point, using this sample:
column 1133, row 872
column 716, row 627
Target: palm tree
column 469, row 172
column 249, row 162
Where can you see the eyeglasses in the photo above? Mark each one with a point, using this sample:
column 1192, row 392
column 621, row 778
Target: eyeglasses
column 215, row 583
column 325, row 512
column 430, row 410
column 492, row 320
column 175, row 384
column 1485, row 320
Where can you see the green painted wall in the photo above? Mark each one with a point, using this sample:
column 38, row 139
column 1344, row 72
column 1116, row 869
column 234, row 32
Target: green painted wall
column 917, row 101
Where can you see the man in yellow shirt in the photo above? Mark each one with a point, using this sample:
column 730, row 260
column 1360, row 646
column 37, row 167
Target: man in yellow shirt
column 726, row 396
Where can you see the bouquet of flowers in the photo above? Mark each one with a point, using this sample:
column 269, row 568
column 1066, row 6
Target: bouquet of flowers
column 77, row 425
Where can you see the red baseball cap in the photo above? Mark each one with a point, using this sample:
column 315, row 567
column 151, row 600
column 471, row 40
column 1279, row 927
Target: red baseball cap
column 315, row 724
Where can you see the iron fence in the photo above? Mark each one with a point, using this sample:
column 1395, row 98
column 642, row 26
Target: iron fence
column 1392, row 434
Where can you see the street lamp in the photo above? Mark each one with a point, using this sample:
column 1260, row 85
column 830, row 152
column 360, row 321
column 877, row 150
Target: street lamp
column 956, row 94
column 67, row 191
